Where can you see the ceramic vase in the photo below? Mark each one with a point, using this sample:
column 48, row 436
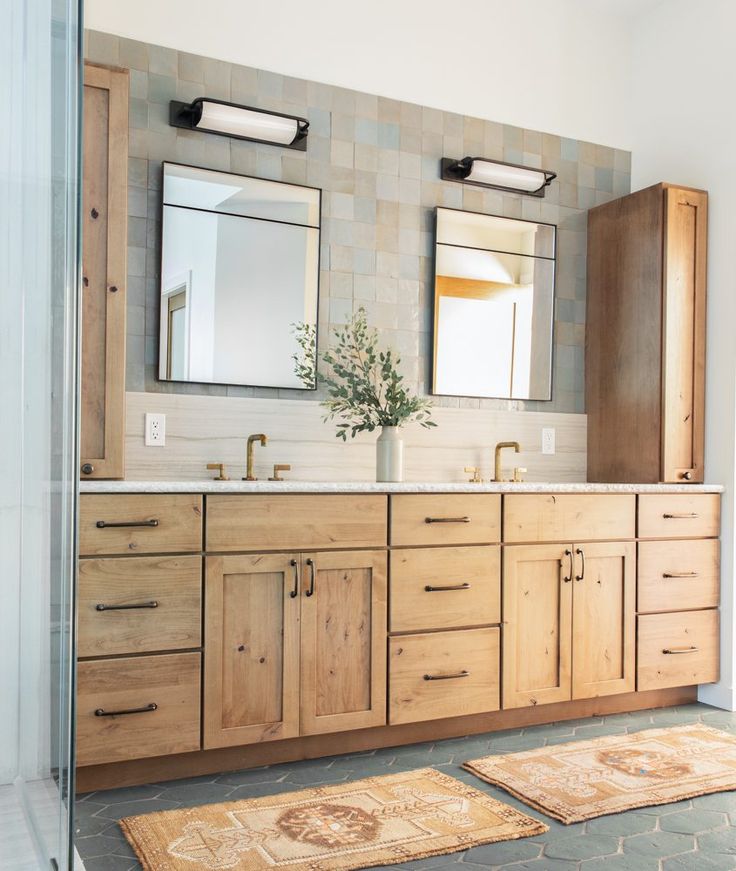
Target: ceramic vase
column 390, row 455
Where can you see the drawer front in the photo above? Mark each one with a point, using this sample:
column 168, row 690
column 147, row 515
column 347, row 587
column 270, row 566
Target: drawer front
column 128, row 523
column 679, row 515
column 678, row 575
column 443, row 674
column 171, row 683
column 139, row 605
column 473, row 518
column 445, row 588
column 304, row 522
column 539, row 517
column 677, row 650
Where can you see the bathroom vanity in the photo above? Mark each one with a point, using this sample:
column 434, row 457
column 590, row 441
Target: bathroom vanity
column 228, row 625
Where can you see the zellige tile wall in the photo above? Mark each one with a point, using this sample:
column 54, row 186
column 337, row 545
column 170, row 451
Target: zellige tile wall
column 377, row 162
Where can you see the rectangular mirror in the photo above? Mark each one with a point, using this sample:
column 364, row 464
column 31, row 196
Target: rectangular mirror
column 239, row 280
column 494, row 289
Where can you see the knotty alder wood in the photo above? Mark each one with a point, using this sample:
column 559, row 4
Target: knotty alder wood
column 285, row 522
column 343, row 641
column 604, row 619
column 678, row 575
column 173, row 583
column 104, row 257
column 539, row 517
column 466, row 582
column 251, row 676
column 679, row 515
column 171, row 682
column 443, row 674
column 677, row 649
column 316, row 746
column 419, row 519
column 178, row 527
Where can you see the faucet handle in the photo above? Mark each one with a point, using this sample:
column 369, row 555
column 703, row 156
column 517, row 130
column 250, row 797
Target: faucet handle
column 475, row 472
column 279, row 467
column 221, row 468
column 518, row 472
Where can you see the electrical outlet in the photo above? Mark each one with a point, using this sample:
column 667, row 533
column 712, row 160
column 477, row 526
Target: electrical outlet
column 155, row 430
column 548, row 440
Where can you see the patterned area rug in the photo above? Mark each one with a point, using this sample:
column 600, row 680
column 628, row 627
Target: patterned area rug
column 585, row 779
column 378, row 821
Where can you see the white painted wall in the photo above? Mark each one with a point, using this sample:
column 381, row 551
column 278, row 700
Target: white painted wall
column 684, row 130
column 555, row 66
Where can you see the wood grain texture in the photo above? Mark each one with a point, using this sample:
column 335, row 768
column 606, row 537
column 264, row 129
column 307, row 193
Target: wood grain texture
column 301, row 522
column 316, row 746
column 179, row 526
column 678, row 575
column 172, row 682
column 475, row 570
column 679, row 515
column 445, row 518
column 604, row 619
column 343, row 647
column 104, row 268
column 472, row 653
column 677, row 649
column 537, row 517
column 173, row 583
column 251, row 660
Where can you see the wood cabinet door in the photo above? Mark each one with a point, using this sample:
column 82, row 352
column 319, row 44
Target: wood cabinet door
column 251, row 653
column 683, row 339
column 537, row 624
column 604, row 619
column 104, row 256
column 343, row 648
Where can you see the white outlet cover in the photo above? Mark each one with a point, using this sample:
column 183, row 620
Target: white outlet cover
column 155, row 430
column 548, row 440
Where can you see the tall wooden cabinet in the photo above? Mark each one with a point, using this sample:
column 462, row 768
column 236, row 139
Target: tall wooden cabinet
column 104, row 258
column 645, row 336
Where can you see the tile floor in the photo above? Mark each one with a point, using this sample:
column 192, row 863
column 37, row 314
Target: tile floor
column 697, row 835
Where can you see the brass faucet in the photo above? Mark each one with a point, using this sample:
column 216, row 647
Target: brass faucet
column 258, row 437
column 497, row 465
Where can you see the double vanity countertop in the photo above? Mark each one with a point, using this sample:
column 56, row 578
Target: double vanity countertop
column 236, row 486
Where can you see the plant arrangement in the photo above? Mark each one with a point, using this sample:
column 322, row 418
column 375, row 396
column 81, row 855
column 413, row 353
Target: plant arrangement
column 305, row 360
column 364, row 385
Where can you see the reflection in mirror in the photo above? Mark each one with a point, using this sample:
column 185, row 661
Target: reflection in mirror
column 239, row 280
column 494, row 306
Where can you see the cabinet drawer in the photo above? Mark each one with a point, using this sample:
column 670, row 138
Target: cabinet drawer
column 139, row 605
column 171, row 683
column 473, row 518
column 678, row 575
column 533, row 517
column 443, row 674
column 444, row 588
column 677, row 649
column 125, row 523
column 679, row 515
column 285, row 522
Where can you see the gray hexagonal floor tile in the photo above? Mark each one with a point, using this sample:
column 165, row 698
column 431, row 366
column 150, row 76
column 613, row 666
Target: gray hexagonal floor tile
column 722, row 841
column 658, row 844
column 692, row 821
column 503, row 852
column 581, row 847
column 621, row 863
column 622, row 825
column 700, row 862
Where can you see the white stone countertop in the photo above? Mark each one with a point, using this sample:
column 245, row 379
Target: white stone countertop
column 369, row 487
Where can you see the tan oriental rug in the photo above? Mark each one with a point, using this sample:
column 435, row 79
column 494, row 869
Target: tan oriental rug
column 585, row 779
column 378, row 821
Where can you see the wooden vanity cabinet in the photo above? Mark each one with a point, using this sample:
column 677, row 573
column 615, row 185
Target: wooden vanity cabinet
column 645, row 336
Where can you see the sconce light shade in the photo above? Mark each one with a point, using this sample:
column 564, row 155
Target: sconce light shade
column 240, row 122
column 497, row 175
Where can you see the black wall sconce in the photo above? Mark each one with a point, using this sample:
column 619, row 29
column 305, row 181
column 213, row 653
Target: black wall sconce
column 509, row 177
column 240, row 122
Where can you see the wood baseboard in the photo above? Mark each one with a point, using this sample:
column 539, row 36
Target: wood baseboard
column 183, row 765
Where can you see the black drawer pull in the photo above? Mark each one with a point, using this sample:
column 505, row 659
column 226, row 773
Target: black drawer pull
column 691, row 515
column 674, row 650
column 449, row 588
column 681, row 575
column 462, row 673
column 104, row 524
column 101, row 607
column 101, row 712
column 447, row 520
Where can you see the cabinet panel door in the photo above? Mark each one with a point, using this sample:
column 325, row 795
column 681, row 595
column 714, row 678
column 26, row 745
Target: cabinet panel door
column 683, row 351
column 604, row 619
column 343, row 649
column 537, row 634
column 251, row 677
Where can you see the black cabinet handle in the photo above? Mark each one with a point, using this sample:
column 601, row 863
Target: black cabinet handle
column 690, row 515
column 101, row 712
column 295, row 565
column 104, row 524
column 581, row 553
column 450, row 587
column 568, row 577
column 462, row 673
column 88, row 468
column 134, row 607
column 313, row 572
column 447, row 520
column 680, row 575
column 674, row 650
